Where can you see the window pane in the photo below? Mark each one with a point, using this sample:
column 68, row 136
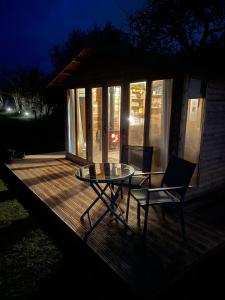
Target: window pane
column 97, row 124
column 71, row 121
column 193, row 132
column 114, row 99
column 81, row 123
column 137, row 113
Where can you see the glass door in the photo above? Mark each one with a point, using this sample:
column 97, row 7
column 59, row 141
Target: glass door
column 137, row 113
column 81, row 122
column 71, row 124
column 113, row 135
column 96, row 95
column 160, row 122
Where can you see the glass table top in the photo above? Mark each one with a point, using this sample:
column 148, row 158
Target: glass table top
column 104, row 172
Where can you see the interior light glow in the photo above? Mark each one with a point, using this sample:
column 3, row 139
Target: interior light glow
column 131, row 120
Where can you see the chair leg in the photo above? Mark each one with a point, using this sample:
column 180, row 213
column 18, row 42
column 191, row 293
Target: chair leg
column 138, row 214
column 146, row 220
column 128, row 205
column 122, row 193
column 183, row 230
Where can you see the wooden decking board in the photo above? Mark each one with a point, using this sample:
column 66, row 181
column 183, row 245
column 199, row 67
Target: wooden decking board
column 160, row 260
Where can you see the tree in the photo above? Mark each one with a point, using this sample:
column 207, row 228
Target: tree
column 172, row 26
column 108, row 37
column 26, row 91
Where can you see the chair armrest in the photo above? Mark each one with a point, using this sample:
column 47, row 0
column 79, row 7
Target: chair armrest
column 141, row 173
column 147, row 173
column 157, row 173
column 166, row 189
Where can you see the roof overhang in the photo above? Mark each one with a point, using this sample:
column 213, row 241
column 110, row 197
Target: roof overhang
column 72, row 67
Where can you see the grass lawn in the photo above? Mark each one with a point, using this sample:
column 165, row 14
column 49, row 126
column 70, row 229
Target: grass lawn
column 38, row 258
column 27, row 255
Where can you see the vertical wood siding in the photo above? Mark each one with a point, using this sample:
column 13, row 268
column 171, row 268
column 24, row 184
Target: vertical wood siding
column 212, row 157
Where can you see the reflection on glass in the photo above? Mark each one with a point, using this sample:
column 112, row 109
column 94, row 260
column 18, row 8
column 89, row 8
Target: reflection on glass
column 114, row 102
column 81, row 123
column 193, row 132
column 97, row 124
column 137, row 113
column 71, row 121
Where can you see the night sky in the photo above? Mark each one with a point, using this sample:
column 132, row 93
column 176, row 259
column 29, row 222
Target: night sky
column 29, row 28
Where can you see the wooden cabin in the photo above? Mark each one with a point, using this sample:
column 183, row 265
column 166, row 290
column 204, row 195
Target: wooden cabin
column 115, row 99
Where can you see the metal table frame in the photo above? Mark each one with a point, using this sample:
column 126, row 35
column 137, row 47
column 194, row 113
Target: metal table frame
column 109, row 201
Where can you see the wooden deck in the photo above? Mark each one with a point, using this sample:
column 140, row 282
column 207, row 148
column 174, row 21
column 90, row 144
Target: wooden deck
column 148, row 267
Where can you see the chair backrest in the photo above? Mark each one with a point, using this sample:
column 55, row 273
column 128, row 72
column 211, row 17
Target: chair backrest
column 140, row 157
column 178, row 173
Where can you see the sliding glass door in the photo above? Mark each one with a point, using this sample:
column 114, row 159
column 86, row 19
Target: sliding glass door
column 114, row 108
column 160, row 121
column 96, row 95
column 81, row 123
column 137, row 113
column 94, row 126
column 149, row 119
column 76, row 126
column 71, row 124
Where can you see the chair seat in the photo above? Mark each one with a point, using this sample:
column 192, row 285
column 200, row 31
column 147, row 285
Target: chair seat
column 155, row 197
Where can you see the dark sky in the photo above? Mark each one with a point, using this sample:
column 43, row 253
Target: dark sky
column 29, row 28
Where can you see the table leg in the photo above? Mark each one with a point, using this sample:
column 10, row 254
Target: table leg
column 92, row 204
column 110, row 204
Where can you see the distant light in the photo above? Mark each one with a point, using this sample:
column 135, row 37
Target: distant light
column 9, row 109
column 26, row 113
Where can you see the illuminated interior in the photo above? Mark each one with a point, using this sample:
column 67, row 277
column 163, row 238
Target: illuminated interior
column 161, row 92
column 114, row 103
column 137, row 113
column 81, row 123
column 97, row 124
column 71, row 121
column 158, row 129
column 194, row 132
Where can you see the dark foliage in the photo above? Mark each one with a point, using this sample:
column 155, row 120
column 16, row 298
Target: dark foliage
column 108, row 37
column 173, row 26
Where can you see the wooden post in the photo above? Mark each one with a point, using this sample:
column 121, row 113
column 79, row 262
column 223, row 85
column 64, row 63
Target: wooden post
column 124, row 124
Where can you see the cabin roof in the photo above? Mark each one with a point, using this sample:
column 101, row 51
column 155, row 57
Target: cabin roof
column 91, row 64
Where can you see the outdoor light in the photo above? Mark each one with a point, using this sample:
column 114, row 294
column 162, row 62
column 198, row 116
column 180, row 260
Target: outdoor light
column 9, row 109
column 26, row 113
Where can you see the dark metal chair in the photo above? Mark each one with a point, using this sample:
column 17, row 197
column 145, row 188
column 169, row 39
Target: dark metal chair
column 140, row 158
column 172, row 190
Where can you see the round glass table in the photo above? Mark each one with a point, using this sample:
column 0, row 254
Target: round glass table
column 102, row 177
column 104, row 172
